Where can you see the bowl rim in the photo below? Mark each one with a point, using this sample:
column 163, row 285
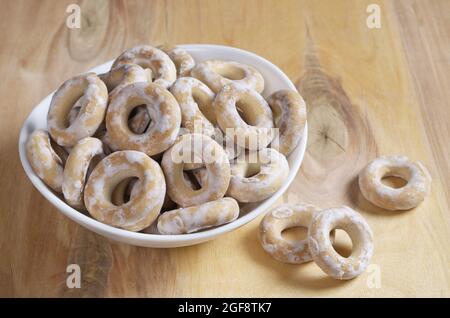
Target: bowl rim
column 113, row 232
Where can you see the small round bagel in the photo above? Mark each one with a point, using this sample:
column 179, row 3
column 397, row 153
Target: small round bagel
column 196, row 218
column 188, row 148
column 183, row 61
column 407, row 197
column 94, row 98
column 289, row 113
column 321, row 248
column 162, row 68
column 195, row 100
column 216, row 74
column 76, row 170
column 162, row 108
column 279, row 219
column 44, row 160
column 253, row 130
column 123, row 75
column 144, row 206
column 268, row 169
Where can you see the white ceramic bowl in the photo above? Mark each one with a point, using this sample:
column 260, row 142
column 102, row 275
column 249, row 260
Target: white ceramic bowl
column 275, row 79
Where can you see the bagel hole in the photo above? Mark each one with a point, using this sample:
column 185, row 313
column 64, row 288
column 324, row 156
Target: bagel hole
column 94, row 161
column 276, row 112
column 74, row 111
column 342, row 244
column 129, row 188
column 141, row 128
column 150, row 74
column 59, row 153
column 295, row 234
column 206, row 110
column 231, row 72
column 252, row 169
column 248, row 116
column 72, row 115
column 191, row 180
column 122, row 191
column 394, row 182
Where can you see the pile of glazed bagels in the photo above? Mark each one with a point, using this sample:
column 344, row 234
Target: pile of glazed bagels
column 112, row 139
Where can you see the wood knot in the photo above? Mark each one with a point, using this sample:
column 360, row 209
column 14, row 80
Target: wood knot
column 86, row 42
column 340, row 141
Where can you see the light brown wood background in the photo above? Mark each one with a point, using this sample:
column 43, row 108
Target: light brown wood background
column 369, row 92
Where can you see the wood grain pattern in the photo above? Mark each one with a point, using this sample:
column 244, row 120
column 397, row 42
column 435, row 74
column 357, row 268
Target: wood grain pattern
column 369, row 92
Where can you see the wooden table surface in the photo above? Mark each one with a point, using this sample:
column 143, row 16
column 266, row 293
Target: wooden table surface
column 369, row 92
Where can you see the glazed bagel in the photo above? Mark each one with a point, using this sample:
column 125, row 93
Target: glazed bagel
column 289, row 113
column 76, row 170
column 196, row 218
column 216, row 74
column 279, row 219
column 192, row 147
column 267, row 170
column 162, row 68
column 144, row 206
column 195, row 100
column 123, row 75
column 254, row 129
column 321, row 248
column 162, row 108
column 44, row 160
column 407, row 197
column 183, row 61
column 94, row 97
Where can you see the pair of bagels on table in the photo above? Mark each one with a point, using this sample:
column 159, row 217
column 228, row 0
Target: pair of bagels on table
column 318, row 246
